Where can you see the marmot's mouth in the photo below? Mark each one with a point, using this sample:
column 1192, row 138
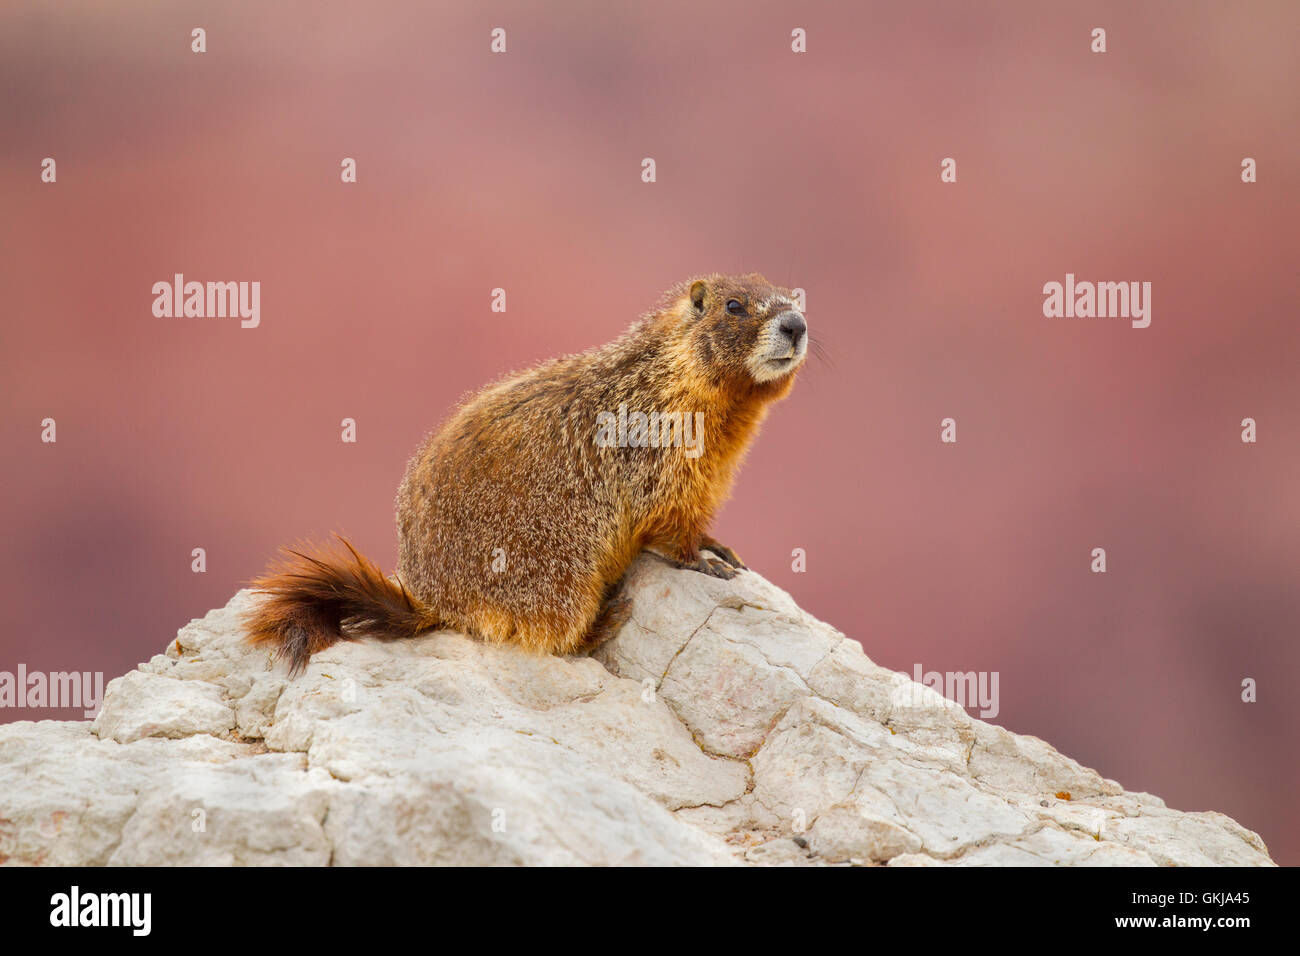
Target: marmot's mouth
column 779, row 366
column 767, row 368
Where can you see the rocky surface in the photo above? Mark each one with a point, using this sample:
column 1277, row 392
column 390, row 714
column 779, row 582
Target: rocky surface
column 722, row 725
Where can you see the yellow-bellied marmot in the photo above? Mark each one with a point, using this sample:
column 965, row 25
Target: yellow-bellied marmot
column 518, row 518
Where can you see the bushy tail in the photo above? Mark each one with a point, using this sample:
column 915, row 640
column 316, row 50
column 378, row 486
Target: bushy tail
column 311, row 599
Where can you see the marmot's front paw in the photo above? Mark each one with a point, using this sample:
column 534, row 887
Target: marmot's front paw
column 715, row 567
column 725, row 553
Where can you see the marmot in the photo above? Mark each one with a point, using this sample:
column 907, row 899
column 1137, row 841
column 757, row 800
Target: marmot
column 518, row 518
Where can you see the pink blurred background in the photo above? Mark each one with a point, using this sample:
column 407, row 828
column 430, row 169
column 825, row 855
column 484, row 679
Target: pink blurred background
column 822, row 171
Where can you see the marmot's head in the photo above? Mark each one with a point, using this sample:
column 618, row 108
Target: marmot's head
column 743, row 328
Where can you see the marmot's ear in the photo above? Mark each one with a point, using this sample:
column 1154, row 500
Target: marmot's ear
column 698, row 290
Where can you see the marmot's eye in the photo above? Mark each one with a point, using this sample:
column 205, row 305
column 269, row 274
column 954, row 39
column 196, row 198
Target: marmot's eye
column 734, row 307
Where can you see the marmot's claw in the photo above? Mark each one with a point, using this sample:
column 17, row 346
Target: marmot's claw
column 726, row 554
column 714, row 567
column 721, row 569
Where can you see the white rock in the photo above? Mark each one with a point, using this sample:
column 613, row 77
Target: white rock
column 140, row 704
column 722, row 725
column 727, row 693
column 848, row 833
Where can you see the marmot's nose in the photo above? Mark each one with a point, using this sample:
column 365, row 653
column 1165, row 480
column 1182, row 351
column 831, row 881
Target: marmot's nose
column 793, row 325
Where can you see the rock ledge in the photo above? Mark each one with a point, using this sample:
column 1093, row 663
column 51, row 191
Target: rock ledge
column 722, row 725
